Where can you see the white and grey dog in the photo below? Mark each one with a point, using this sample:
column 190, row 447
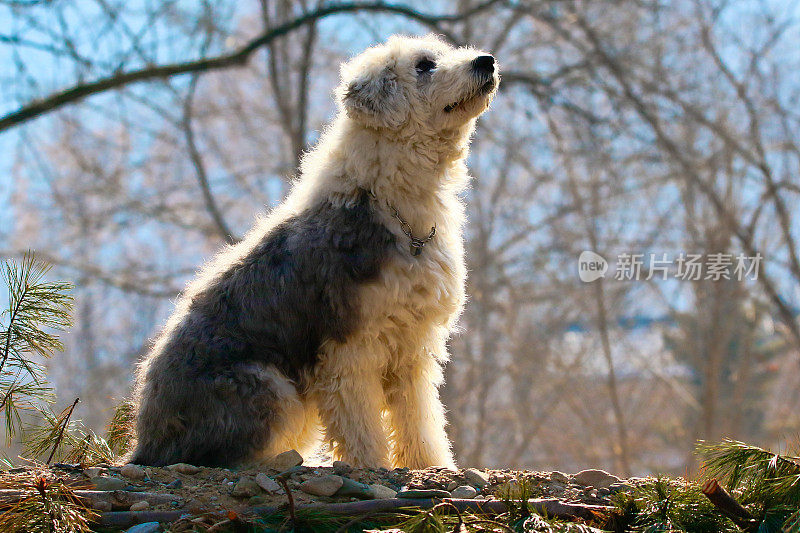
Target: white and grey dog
column 335, row 308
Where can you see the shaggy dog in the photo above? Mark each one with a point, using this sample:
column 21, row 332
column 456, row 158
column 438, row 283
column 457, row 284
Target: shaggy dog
column 338, row 305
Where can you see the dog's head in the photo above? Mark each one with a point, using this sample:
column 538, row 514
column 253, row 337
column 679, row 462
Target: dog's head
column 413, row 81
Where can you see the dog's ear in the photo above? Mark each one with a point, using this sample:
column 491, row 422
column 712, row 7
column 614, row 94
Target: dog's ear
column 375, row 99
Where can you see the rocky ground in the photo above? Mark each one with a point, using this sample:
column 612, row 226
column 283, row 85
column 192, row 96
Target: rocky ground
column 187, row 490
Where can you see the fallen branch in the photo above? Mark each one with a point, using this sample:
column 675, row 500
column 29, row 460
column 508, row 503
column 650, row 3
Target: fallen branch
column 99, row 500
column 550, row 507
column 728, row 506
column 125, row 519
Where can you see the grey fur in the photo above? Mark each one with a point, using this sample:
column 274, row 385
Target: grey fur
column 205, row 398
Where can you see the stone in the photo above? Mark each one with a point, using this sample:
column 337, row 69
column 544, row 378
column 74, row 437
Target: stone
column 599, row 479
column 147, row 527
column 245, row 488
column 196, row 507
column 476, row 478
column 322, row 486
column 94, row 471
column 619, row 487
column 176, row 484
column 183, row 468
column 103, row 506
column 354, row 489
column 109, row 483
column 134, row 472
column 559, row 477
column 257, row 500
column 464, row 492
column 341, row 468
column 382, row 492
column 267, row 483
column 140, row 506
column 284, row 461
column 452, row 485
column 424, row 494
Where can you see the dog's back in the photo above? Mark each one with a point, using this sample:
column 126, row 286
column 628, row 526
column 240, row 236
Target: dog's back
column 210, row 394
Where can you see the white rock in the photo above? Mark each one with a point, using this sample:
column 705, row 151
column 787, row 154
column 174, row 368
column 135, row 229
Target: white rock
column 94, row 471
column 464, row 492
column 267, row 483
column 140, row 506
column 183, row 468
column 132, row 472
column 322, row 486
column 245, row 488
column 476, row 477
column 285, row 461
column 381, row 492
column 559, row 477
column 599, row 479
column 341, row 468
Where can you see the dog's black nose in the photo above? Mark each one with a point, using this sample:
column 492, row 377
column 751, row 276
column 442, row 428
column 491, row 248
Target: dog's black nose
column 484, row 64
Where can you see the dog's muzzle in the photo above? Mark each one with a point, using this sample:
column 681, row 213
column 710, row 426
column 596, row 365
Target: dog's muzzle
column 483, row 68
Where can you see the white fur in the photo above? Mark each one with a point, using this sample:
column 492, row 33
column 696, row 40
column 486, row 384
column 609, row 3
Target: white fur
column 377, row 393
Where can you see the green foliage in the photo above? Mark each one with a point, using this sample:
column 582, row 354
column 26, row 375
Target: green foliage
column 120, row 432
column 36, row 308
column 668, row 505
column 76, row 444
column 766, row 483
column 758, row 476
column 48, row 506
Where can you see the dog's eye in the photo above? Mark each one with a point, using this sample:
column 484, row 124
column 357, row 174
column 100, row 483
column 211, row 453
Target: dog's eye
column 425, row 65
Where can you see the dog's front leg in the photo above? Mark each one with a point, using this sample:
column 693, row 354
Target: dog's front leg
column 417, row 415
column 349, row 396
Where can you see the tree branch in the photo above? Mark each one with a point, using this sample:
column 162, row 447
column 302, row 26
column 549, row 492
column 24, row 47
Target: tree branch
column 235, row 59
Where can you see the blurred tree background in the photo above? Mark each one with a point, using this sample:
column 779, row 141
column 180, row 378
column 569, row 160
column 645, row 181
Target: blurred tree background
column 138, row 136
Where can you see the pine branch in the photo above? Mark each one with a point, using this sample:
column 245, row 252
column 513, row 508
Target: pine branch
column 63, row 426
column 728, row 506
column 756, row 474
column 36, row 308
column 120, row 433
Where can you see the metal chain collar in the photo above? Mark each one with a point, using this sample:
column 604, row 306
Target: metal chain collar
column 416, row 244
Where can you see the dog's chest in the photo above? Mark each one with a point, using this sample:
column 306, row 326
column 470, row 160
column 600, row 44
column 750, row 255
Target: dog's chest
column 416, row 291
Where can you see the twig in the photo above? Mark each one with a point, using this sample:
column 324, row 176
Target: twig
column 289, row 496
column 61, row 431
column 457, row 528
column 728, row 505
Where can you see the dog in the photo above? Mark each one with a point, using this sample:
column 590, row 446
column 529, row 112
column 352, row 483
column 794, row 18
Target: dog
column 334, row 310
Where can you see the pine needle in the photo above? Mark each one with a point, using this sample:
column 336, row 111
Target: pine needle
column 76, row 444
column 120, row 431
column 756, row 475
column 665, row 505
column 36, row 308
column 47, row 506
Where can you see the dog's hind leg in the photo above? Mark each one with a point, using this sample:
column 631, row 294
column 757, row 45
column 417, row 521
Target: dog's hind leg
column 348, row 393
column 416, row 415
